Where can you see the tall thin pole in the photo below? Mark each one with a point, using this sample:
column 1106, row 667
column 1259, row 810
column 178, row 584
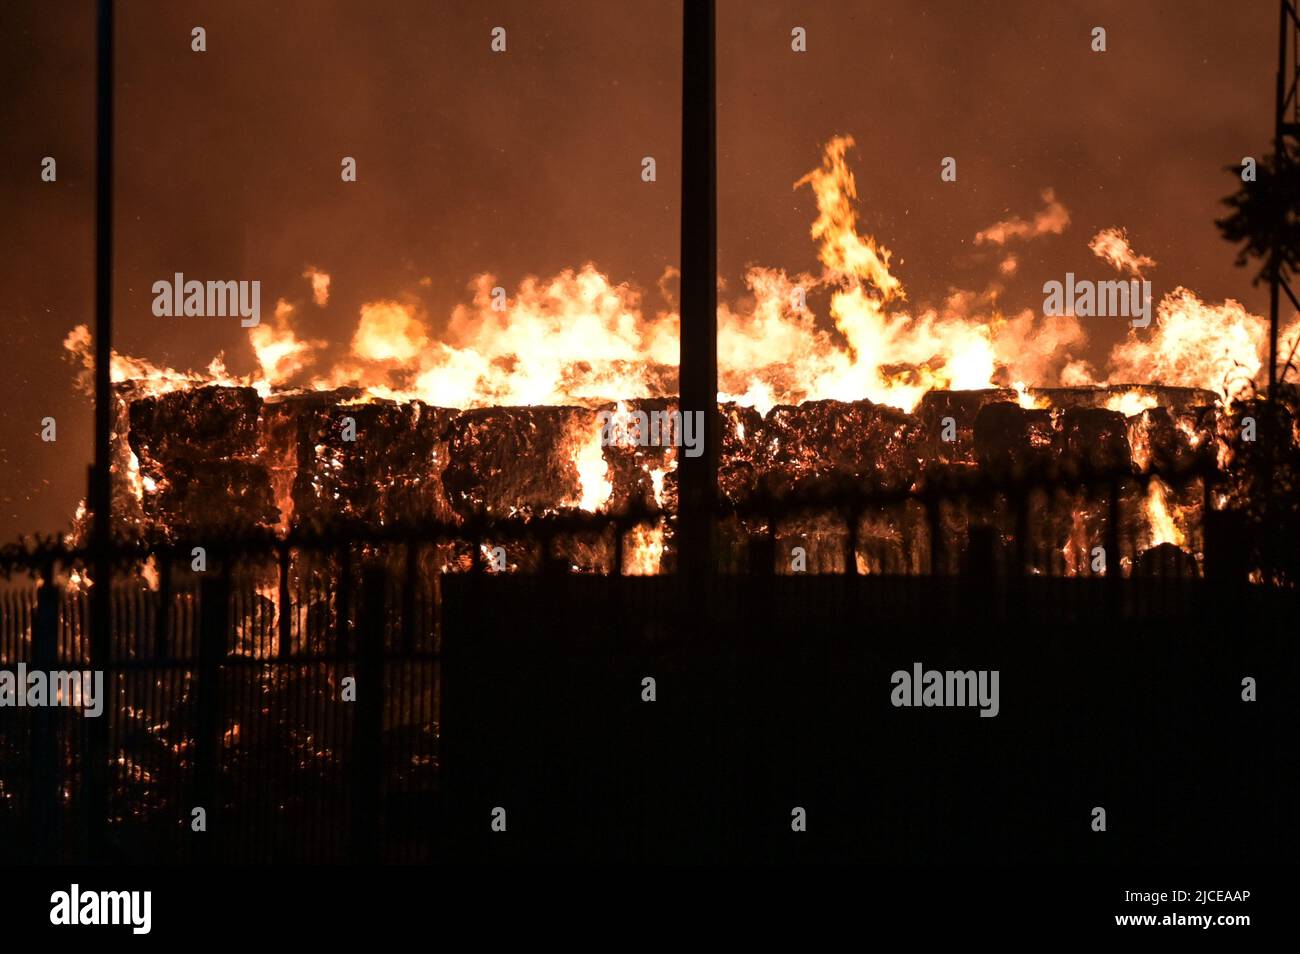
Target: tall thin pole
column 101, row 489
column 1280, row 161
column 94, row 756
column 698, row 476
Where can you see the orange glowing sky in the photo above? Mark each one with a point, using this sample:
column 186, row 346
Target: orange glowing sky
column 528, row 164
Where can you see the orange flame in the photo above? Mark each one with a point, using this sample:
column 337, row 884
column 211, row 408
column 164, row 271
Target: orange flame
column 1111, row 246
column 1164, row 529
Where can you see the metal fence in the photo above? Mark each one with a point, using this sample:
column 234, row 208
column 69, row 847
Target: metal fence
column 217, row 700
column 293, row 689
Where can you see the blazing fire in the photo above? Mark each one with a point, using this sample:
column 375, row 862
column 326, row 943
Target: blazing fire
column 581, row 340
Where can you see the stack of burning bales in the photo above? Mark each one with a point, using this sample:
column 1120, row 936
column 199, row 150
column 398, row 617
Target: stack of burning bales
column 215, row 459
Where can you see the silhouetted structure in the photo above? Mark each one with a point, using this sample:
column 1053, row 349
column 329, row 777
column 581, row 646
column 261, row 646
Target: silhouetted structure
column 698, row 476
column 101, row 493
column 1286, row 135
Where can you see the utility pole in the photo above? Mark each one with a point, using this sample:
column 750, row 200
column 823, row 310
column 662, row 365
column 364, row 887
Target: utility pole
column 698, row 367
column 94, row 765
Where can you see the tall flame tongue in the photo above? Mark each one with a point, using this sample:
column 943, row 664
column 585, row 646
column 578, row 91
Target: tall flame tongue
column 890, row 358
column 1164, row 529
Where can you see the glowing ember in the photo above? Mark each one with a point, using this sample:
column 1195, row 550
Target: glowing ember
column 1131, row 402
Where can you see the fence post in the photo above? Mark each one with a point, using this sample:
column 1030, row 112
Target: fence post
column 1114, row 569
column 851, row 544
column 619, row 530
column 46, row 817
column 367, row 733
column 214, row 627
column 285, row 619
column 343, row 634
column 409, row 604
column 762, row 556
column 162, row 621
column 1021, row 498
column 934, row 517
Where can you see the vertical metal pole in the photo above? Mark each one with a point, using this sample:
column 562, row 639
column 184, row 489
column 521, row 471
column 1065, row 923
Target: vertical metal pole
column 214, row 633
column 46, row 834
column 368, row 728
column 162, row 622
column 619, row 531
column 409, row 593
column 286, row 604
column 1280, row 162
column 934, row 519
column 1114, row 568
column 1281, row 157
column 94, row 757
column 699, row 288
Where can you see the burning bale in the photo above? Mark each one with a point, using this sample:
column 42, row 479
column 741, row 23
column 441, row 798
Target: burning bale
column 200, row 463
column 378, row 462
column 963, row 408
column 825, row 443
column 1011, row 442
column 745, row 454
column 507, row 460
column 1094, row 440
column 1156, row 441
column 822, row 446
column 894, row 540
column 639, row 466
